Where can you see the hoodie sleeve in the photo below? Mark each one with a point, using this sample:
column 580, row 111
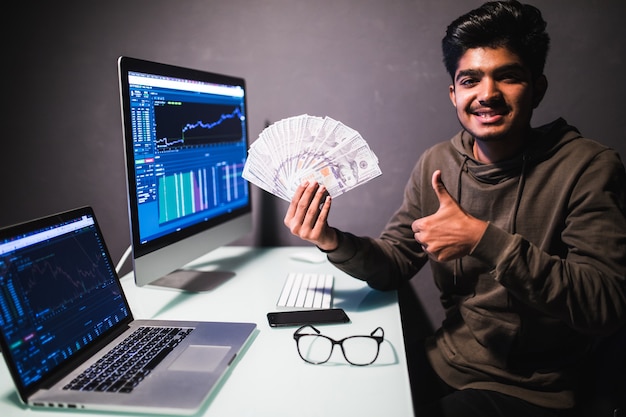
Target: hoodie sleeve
column 586, row 288
column 395, row 257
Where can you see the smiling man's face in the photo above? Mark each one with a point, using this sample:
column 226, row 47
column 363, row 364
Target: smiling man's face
column 494, row 95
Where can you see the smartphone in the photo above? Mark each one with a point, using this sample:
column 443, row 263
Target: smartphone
column 301, row 317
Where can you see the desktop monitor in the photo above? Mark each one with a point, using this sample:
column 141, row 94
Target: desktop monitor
column 185, row 144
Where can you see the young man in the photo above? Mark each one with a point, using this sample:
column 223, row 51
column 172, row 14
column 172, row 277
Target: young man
column 524, row 229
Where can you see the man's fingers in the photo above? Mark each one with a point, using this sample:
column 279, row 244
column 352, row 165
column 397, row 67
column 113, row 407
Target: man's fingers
column 316, row 202
column 307, row 208
column 323, row 215
column 295, row 202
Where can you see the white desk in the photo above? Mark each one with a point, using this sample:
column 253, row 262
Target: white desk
column 270, row 379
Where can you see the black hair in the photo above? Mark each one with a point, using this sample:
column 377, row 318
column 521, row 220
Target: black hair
column 510, row 24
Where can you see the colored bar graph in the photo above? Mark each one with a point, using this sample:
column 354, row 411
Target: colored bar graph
column 185, row 193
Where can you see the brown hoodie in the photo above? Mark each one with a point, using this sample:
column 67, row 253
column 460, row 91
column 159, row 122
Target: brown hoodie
column 548, row 274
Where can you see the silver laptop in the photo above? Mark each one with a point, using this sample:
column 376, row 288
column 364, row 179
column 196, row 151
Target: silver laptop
column 68, row 335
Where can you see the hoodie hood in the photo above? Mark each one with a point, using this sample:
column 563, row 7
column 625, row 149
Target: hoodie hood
column 543, row 142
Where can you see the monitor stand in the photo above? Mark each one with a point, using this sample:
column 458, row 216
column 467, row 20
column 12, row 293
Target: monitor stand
column 191, row 280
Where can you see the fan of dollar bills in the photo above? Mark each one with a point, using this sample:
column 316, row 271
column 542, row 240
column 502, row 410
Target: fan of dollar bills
column 309, row 148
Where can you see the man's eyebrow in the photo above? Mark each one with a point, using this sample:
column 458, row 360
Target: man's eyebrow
column 468, row 73
column 510, row 67
column 479, row 73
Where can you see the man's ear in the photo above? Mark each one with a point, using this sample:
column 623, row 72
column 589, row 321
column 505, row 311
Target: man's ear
column 539, row 90
column 452, row 95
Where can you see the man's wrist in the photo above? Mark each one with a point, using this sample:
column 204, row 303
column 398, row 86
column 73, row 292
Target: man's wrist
column 333, row 243
column 481, row 232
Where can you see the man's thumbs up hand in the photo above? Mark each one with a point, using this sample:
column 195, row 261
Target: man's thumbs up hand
column 450, row 233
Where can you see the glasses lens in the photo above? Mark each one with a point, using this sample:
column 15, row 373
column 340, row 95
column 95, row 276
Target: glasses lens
column 314, row 348
column 360, row 350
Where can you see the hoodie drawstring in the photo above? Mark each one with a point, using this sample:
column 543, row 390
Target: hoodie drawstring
column 458, row 199
column 518, row 196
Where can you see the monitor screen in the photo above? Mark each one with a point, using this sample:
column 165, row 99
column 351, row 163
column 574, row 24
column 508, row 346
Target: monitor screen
column 185, row 140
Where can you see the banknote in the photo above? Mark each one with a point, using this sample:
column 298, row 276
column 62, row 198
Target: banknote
column 309, row 148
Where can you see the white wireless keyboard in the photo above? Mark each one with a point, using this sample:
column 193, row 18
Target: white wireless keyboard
column 307, row 290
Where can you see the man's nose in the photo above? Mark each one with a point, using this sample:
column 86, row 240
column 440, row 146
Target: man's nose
column 488, row 91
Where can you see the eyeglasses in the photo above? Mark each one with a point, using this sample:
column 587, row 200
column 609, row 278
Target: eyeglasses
column 316, row 348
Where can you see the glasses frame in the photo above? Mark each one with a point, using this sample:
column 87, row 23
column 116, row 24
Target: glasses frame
column 379, row 340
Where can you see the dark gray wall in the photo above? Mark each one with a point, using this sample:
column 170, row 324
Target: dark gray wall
column 373, row 64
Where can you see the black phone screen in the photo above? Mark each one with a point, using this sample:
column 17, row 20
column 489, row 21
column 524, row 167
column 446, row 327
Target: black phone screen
column 301, row 317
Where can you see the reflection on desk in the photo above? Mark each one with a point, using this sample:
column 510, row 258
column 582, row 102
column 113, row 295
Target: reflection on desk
column 270, row 378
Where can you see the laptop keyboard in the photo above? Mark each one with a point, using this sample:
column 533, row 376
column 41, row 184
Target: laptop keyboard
column 126, row 365
column 306, row 290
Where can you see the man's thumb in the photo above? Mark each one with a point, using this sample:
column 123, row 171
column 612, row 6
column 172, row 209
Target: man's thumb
column 440, row 189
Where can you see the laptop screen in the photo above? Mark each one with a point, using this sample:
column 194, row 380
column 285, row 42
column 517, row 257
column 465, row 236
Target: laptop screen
column 58, row 292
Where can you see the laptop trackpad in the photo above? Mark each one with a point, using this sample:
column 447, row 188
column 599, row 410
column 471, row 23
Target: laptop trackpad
column 199, row 358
